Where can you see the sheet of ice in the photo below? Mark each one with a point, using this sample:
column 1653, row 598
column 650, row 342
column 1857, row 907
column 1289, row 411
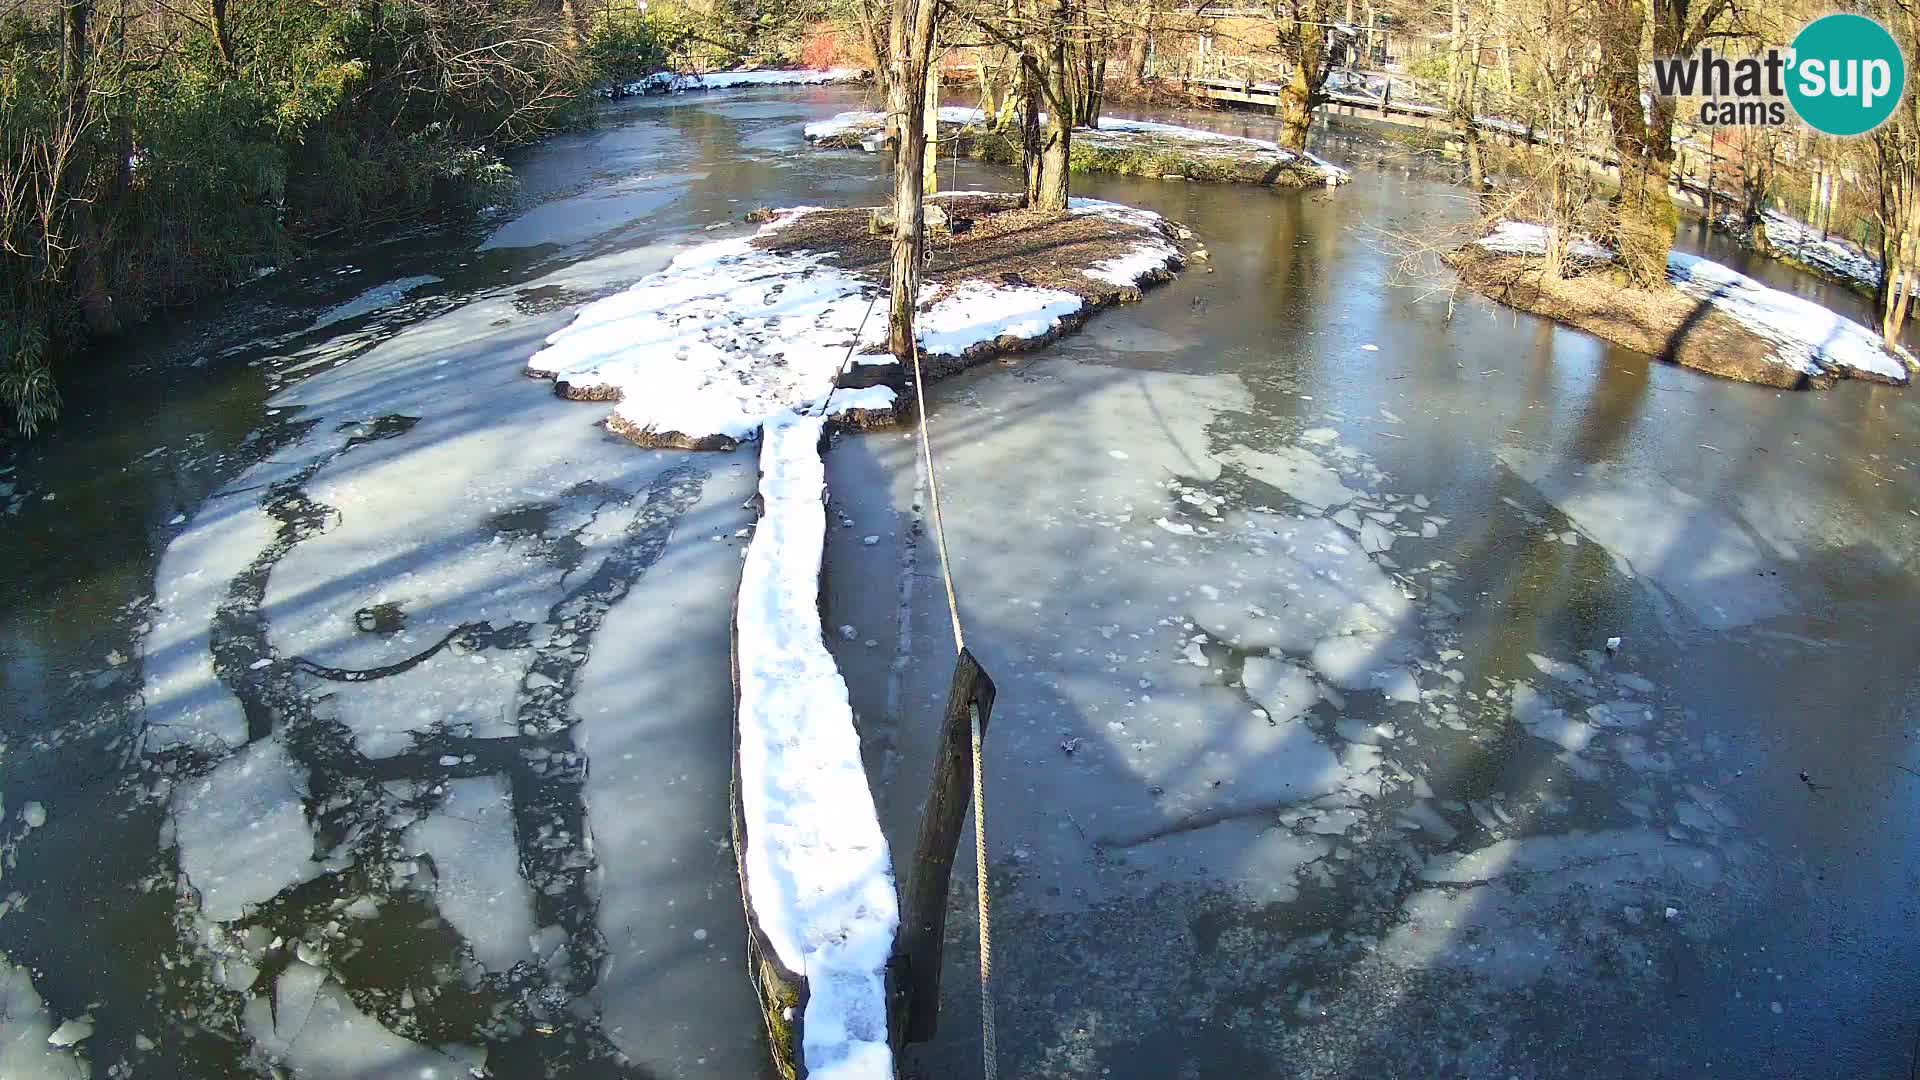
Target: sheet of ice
column 1296, row 471
column 1683, row 548
column 375, row 299
column 25, row 1028
column 242, row 830
column 1284, row 689
column 183, row 701
column 313, row 1028
column 817, row 865
column 1531, row 710
column 1803, row 333
column 479, row 888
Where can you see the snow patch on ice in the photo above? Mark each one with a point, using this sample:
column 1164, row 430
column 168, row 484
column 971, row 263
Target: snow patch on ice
column 817, row 865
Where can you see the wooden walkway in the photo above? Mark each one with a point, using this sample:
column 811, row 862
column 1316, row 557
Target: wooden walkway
column 1686, row 190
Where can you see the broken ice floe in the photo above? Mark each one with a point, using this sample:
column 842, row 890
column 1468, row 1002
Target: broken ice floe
column 243, row 831
column 478, row 886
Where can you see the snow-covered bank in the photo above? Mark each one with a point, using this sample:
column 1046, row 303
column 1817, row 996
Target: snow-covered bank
column 1805, row 335
column 1794, row 241
column 1130, row 147
column 669, row 82
column 1715, row 319
column 735, row 332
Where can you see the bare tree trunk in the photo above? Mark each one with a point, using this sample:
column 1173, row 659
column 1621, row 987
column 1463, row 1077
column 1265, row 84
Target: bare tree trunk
column 1308, row 50
column 1647, row 221
column 910, row 49
column 1056, row 144
column 572, row 20
column 1463, row 79
column 222, row 36
column 930, row 124
column 1139, row 42
column 1030, row 140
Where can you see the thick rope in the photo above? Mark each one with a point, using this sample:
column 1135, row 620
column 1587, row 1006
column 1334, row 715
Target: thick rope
column 989, row 1041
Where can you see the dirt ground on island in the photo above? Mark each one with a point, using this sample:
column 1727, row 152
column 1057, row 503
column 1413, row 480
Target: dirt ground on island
column 989, row 237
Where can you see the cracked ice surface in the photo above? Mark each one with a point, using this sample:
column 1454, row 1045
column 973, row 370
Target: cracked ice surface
column 402, row 594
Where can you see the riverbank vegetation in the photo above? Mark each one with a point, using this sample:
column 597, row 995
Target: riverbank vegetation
column 153, row 153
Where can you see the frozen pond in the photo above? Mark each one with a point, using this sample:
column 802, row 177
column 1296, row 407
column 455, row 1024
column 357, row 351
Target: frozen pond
column 366, row 707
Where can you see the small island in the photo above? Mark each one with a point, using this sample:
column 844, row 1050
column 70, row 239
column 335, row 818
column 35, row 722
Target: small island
column 1128, row 147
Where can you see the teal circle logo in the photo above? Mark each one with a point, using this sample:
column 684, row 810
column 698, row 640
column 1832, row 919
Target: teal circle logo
column 1846, row 76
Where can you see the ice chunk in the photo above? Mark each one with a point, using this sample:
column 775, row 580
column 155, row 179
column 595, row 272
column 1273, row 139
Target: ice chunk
column 479, row 887
column 1284, row 689
column 242, row 830
column 27, row 1049
column 312, row 1027
column 1296, row 471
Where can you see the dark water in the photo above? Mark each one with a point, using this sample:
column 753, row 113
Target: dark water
column 1754, row 549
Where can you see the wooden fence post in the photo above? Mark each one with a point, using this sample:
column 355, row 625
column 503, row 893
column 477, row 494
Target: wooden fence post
column 923, row 921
